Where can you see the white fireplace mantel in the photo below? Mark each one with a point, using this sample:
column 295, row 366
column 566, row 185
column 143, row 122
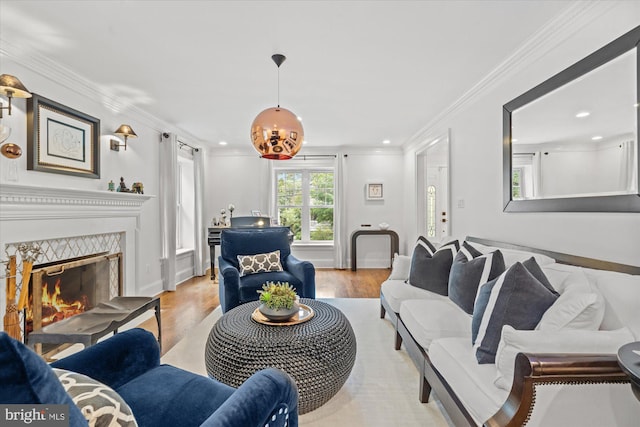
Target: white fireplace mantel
column 31, row 213
column 20, row 202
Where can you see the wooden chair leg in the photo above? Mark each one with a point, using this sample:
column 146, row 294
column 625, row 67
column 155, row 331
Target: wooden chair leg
column 398, row 341
column 425, row 390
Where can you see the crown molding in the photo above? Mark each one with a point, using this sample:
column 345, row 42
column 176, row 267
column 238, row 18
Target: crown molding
column 573, row 18
column 63, row 76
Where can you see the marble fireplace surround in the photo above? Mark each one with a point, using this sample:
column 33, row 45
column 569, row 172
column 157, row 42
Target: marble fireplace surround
column 30, row 213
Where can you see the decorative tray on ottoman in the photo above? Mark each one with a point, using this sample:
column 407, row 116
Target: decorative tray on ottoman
column 305, row 313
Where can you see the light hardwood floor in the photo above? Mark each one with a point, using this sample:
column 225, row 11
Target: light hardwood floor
column 196, row 298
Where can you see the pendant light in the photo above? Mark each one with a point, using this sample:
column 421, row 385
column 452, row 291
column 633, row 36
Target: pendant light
column 276, row 133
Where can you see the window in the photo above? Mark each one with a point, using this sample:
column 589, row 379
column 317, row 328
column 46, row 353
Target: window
column 516, row 181
column 431, row 211
column 185, row 203
column 305, row 202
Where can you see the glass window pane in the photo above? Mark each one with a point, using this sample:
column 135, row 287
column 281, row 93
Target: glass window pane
column 321, row 223
column 289, row 189
column 291, row 217
column 321, row 189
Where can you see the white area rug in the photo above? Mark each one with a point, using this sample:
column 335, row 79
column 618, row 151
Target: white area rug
column 382, row 389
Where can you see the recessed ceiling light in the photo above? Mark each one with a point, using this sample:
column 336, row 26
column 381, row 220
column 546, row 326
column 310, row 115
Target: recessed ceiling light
column 596, row 138
column 299, row 118
column 222, row 142
column 378, row 151
column 636, row 105
column 386, row 141
column 582, row 114
column 304, row 141
column 514, row 139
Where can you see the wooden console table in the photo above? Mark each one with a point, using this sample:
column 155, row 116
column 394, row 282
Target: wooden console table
column 86, row 328
column 393, row 237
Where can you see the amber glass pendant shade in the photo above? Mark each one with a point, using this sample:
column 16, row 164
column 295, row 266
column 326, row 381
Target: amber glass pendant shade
column 277, row 134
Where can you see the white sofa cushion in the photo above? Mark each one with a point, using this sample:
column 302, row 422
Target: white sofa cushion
column 471, row 382
column 429, row 319
column 580, row 306
column 397, row 291
column 400, row 267
column 514, row 341
column 621, row 294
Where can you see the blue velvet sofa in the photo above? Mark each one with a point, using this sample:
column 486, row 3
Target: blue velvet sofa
column 235, row 290
column 158, row 395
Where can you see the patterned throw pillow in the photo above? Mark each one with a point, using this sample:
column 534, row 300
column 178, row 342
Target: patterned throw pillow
column 515, row 298
column 99, row 403
column 259, row 263
column 469, row 270
column 430, row 267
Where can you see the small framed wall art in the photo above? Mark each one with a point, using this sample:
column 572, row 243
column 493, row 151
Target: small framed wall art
column 61, row 139
column 374, row 191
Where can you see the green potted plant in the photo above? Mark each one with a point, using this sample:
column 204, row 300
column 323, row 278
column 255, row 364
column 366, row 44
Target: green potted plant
column 279, row 301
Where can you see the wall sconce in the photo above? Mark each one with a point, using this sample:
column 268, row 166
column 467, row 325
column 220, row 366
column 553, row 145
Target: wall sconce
column 11, row 87
column 126, row 132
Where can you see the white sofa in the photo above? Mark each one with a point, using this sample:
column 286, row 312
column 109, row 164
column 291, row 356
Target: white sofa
column 575, row 382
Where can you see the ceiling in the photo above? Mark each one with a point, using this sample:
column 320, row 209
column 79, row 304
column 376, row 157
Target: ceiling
column 357, row 72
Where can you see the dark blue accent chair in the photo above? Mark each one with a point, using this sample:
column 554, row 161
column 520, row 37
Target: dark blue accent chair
column 235, row 290
column 159, row 395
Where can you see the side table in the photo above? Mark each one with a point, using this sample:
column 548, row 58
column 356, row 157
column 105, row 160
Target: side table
column 630, row 363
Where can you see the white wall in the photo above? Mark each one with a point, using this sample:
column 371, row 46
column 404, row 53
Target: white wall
column 243, row 179
column 476, row 155
column 138, row 163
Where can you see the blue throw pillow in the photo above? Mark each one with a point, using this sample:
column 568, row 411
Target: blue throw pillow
column 532, row 265
column 25, row 378
column 430, row 267
column 469, row 270
column 515, row 298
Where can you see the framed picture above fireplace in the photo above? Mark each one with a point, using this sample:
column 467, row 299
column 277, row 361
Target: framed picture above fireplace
column 61, row 139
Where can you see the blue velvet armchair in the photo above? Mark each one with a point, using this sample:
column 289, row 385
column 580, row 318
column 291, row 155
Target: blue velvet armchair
column 236, row 289
column 158, row 395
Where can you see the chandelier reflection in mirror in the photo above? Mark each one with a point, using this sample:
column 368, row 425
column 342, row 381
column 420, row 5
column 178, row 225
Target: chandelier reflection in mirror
column 276, row 133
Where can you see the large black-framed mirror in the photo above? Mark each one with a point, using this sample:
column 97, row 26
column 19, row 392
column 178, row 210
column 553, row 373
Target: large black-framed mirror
column 570, row 144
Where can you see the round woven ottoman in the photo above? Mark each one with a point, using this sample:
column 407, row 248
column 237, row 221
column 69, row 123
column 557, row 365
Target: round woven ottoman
column 318, row 354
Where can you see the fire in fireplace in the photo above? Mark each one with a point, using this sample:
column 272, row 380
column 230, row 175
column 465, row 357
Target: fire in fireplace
column 64, row 289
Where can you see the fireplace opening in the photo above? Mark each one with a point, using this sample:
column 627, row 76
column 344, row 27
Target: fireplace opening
column 63, row 289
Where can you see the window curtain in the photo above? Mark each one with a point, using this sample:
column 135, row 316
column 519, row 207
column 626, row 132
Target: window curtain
column 168, row 203
column 340, row 238
column 628, row 166
column 199, row 250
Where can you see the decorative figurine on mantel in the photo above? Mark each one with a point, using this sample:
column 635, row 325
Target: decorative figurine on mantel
column 112, row 186
column 231, row 209
column 137, row 188
column 123, row 187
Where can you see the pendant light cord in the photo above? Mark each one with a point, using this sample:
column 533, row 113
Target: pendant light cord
column 278, row 87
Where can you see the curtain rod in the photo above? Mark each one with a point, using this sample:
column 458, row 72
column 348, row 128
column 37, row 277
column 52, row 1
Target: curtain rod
column 182, row 144
column 304, row 156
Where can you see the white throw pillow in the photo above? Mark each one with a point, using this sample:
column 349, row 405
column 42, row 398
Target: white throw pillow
column 580, row 306
column 513, row 342
column 400, row 268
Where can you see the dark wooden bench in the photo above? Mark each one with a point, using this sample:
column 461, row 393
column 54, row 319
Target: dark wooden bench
column 88, row 327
